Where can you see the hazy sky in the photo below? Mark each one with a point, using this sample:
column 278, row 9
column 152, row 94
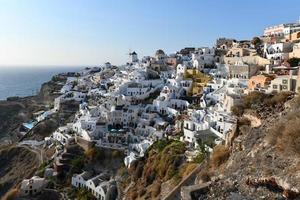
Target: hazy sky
column 87, row 32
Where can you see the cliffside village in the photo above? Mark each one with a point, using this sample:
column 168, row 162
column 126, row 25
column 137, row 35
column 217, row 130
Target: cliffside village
column 184, row 96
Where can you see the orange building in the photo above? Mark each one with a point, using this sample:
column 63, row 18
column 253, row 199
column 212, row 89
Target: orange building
column 259, row 81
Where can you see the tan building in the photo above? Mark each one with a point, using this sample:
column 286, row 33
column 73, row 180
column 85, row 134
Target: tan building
column 296, row 51
column 259, row 82
column 240, row 52
column 172, row 61
column 251, row 60
column 293, row 36
column 237, row 52
column 241, row 70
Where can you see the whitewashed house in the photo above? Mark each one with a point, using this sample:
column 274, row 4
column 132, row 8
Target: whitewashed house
column 79, row 180
column 69, row 96
column 63, row 134
column 277, row 51
column 100, row 186
column 32, row 186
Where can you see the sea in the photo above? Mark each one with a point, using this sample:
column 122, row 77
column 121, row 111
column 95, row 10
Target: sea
column 26, row 81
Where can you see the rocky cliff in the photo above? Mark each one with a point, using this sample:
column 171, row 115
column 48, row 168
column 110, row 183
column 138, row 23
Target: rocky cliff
column 263, row 156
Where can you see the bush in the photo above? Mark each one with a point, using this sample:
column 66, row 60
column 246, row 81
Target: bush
column 134, row 194
column 116, row 154
column 237, row 110
column 138, row 171
column 204, row 176
column 142, row 192
column 243, row 121
column 156, row 190
column 286, row 134
column 278, row 98
column 187, row 169
column 165, row 158
column 77, row 163
column 256, row 41
column 256, row 99
column 160, row 145
column 200, row 157
column 84, row 194
column 219, row 156
column 171, row 171
column 94, row 154
column 294, row 62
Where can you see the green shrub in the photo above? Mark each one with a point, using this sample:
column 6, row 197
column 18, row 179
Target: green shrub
column 294, row 62
column 84, row 194
column 200, row 157
column 77, row 164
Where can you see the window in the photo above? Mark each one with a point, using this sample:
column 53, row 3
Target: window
column 275, row 87
column 284, row 81
column 284, row 87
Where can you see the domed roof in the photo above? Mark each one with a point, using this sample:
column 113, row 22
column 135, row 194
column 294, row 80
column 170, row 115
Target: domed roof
column 160, row 52
column 133, row 53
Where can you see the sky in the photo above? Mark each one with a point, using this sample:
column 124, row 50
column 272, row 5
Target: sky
column 91, row 32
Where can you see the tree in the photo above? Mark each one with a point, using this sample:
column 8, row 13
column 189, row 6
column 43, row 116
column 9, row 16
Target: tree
column 256, row 41
column 294, row 62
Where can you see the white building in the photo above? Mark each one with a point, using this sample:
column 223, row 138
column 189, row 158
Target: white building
column 282, row 29
column 277, row 51
column 32, row 186
column 69, row 96
column 133, row 57
column 193, row 124
column 88, row 128
column 63, row 134
column 100, row 186
column 203, row 56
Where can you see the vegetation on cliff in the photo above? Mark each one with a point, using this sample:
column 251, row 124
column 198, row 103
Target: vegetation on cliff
column 259, row 161
column 13, row 159
column 164, row 162
column 260, row 101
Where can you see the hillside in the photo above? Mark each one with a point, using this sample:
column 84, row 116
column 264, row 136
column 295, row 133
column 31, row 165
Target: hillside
column 261, row 159
column 15, row 111
column 160, row 171
column 258, row 160
column 17, row 163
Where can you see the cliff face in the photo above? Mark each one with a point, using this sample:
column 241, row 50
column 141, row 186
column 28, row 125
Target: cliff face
column 13, row 114
column 264, row 156
column 16, row 111
column 49, row 90
column 17, row 163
